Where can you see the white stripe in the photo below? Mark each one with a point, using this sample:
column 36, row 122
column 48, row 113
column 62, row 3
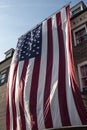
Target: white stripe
column 42, row 76
column 27, row 88
column 73, row 114
column 19, row 72
column 54, row 82
column 11, row 73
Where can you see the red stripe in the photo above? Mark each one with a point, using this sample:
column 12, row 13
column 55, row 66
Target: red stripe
column 47, row 111
column 21, row 101
column 13, row 101
column 76, row 93
column 13, row 97
column 33, row 94
column 62, row 76
column 7, row 110
column 78, row 102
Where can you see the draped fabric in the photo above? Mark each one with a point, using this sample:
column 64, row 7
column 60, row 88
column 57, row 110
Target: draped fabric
column 42, row 89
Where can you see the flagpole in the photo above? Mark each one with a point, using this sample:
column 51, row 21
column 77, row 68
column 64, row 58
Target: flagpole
column 45, row 19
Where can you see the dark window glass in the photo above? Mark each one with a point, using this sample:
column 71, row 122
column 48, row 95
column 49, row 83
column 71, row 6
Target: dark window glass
column 81, row 36
column 76, row 11
column 84, row 76
column 4, row 76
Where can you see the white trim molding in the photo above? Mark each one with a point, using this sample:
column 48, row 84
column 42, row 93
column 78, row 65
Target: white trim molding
column 79, row 28
column 79, row 74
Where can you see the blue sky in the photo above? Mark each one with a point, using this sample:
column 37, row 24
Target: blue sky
column 19, row 16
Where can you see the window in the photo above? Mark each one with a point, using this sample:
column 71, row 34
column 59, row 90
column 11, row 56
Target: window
column 80, row 35
column 82, row 69
column 84, row 75
column 8, row 54
column 76, row 11
column 3, row 76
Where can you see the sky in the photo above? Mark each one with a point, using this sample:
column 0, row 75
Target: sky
column 19, row 16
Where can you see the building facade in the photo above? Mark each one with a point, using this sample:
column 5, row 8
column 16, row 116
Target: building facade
column 4, row 70
column 79, row 43
column 79, row 40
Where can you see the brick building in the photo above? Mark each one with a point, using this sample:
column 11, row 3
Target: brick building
column 79, row 43
column 4, row 69
column 79, row 38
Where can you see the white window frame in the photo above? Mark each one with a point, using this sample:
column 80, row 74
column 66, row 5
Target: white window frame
column 76, row 30
column 79, row 74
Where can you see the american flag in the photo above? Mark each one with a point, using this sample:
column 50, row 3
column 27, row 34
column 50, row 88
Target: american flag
column 42, row 88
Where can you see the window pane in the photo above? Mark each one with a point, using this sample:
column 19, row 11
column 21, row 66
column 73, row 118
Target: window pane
column 83, row 70
column 2, row 80
column 81, row 35
column 76, row 10
column 4, row 76
column 84, row 81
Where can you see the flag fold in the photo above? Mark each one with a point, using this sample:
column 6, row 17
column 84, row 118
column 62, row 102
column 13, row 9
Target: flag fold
column 42, row 89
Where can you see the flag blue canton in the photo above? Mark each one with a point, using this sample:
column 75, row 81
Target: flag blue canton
column 29, row 45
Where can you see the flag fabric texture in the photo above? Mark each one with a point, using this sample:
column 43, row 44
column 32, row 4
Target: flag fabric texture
column 42, row 88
